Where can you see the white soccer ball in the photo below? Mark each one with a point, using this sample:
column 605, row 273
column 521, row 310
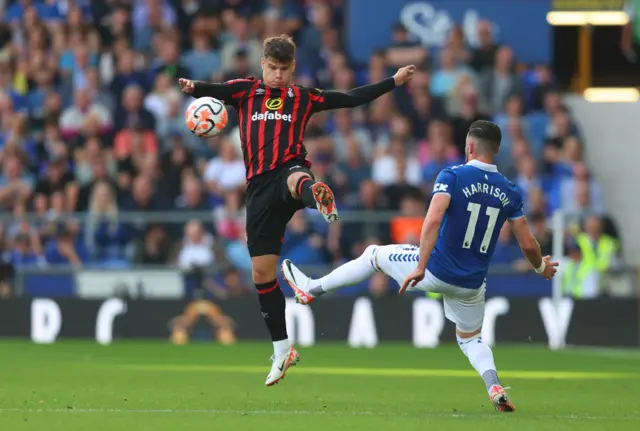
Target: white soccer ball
column 206, row 117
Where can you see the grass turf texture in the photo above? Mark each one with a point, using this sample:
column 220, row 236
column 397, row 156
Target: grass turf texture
column 156, row 386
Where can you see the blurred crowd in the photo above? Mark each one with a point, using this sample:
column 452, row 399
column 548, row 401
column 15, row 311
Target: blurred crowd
column 92, row 134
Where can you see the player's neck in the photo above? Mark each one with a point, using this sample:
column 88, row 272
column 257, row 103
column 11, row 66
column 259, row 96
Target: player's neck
column 275, row 86
column 483, row 159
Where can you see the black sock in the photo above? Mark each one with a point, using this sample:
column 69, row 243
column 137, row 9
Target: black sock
column 304, row 188
column 272, row 306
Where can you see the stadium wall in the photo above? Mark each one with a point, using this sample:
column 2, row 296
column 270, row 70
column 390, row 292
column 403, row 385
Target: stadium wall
column 612, row 136
column 357, row 322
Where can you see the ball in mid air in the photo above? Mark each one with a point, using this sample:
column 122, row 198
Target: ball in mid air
column 206, row 117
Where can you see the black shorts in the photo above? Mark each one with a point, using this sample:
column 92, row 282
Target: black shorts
column 270, row 206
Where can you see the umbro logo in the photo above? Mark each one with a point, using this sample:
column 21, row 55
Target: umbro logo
column 260, row 91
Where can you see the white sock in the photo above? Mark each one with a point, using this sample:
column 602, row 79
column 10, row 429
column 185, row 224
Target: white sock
column 481, row 358
column 281, row 347
column 350, row 273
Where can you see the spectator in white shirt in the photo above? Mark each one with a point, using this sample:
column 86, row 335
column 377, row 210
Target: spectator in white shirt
column 395, row 167
column 225, row 172
column 197, row 249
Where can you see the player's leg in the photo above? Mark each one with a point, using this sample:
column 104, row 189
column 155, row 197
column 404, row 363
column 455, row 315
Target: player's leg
column 353, row 272
column 313, row 194
column 265, row 229
column 466, row 310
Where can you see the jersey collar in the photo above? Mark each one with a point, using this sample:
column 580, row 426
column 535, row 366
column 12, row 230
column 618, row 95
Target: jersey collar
column 484, row 166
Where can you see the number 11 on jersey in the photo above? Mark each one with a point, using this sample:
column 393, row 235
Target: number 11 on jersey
column 474, row 209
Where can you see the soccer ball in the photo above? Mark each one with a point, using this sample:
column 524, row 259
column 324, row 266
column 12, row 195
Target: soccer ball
column 206, row 117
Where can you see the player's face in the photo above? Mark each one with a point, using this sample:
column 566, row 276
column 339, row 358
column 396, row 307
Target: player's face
column 276, row 74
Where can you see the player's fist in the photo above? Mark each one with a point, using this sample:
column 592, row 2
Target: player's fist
column 404, row 74
column 550, row 268
column 187, row 85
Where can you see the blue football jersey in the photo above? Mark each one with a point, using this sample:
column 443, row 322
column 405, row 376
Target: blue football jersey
column 481, row 200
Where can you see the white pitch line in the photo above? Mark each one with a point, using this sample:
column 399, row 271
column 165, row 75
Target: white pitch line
column 457, row 415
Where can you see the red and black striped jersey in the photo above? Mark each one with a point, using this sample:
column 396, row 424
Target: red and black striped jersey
column 272, row 121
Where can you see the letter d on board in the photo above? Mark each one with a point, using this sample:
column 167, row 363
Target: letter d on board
column 46, row 321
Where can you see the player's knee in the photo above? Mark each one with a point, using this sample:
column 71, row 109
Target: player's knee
column 293, row 182
column 467, row 338
column 369, row 255
column 262, row 274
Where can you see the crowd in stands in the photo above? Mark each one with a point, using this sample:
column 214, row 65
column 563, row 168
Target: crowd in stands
column 91, row 123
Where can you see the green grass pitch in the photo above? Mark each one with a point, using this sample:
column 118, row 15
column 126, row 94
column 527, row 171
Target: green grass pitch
column 141, row 386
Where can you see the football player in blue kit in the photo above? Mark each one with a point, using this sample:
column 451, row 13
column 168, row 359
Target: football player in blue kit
column 469, row 205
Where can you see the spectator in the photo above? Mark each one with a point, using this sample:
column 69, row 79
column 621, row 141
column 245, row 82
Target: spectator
column 500, row 82
column 105, row 235
column 507, row 252
column 396, row 166
column 344, row 130
column 233, row 286
column 192, row 197
column 457, row 44
column 581, row 194
column 484, row 54
column 143, row 199
column 23, row 253
column 404, row 51
column 132, row 112
column 446, row 78
column 126, row 75
column 84, row 117
column 379, row 286
column 65, row 249
column 15, row 184
column 58, row 179
column 196, row 251
column 543, row 85
column 354, row 170
column 169, row 61
column 302, row 243
column 153, row 248
column 226, row 172
column 176, row 164
column 241, row 39
column 202, row 62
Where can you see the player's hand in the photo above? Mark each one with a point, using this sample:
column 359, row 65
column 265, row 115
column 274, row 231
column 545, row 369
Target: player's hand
column 404, row 74
column 550, row 268
column 412, row 279
column 187, row 85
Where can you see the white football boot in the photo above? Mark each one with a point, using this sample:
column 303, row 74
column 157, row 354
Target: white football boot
column 281, row 364
column 298, row 281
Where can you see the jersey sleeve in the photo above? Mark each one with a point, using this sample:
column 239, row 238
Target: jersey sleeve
column 230, row 91
column 324, row 100
column 517, row 206
column 445, row 182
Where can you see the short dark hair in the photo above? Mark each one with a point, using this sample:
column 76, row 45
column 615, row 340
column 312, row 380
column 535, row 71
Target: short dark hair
column 280, row 48
column 487, row 134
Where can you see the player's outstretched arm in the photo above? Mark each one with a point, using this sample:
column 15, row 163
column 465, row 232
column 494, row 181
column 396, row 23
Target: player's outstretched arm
column 531, row 248
column 361, row 95
column 428, row 237
column 224, row 91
